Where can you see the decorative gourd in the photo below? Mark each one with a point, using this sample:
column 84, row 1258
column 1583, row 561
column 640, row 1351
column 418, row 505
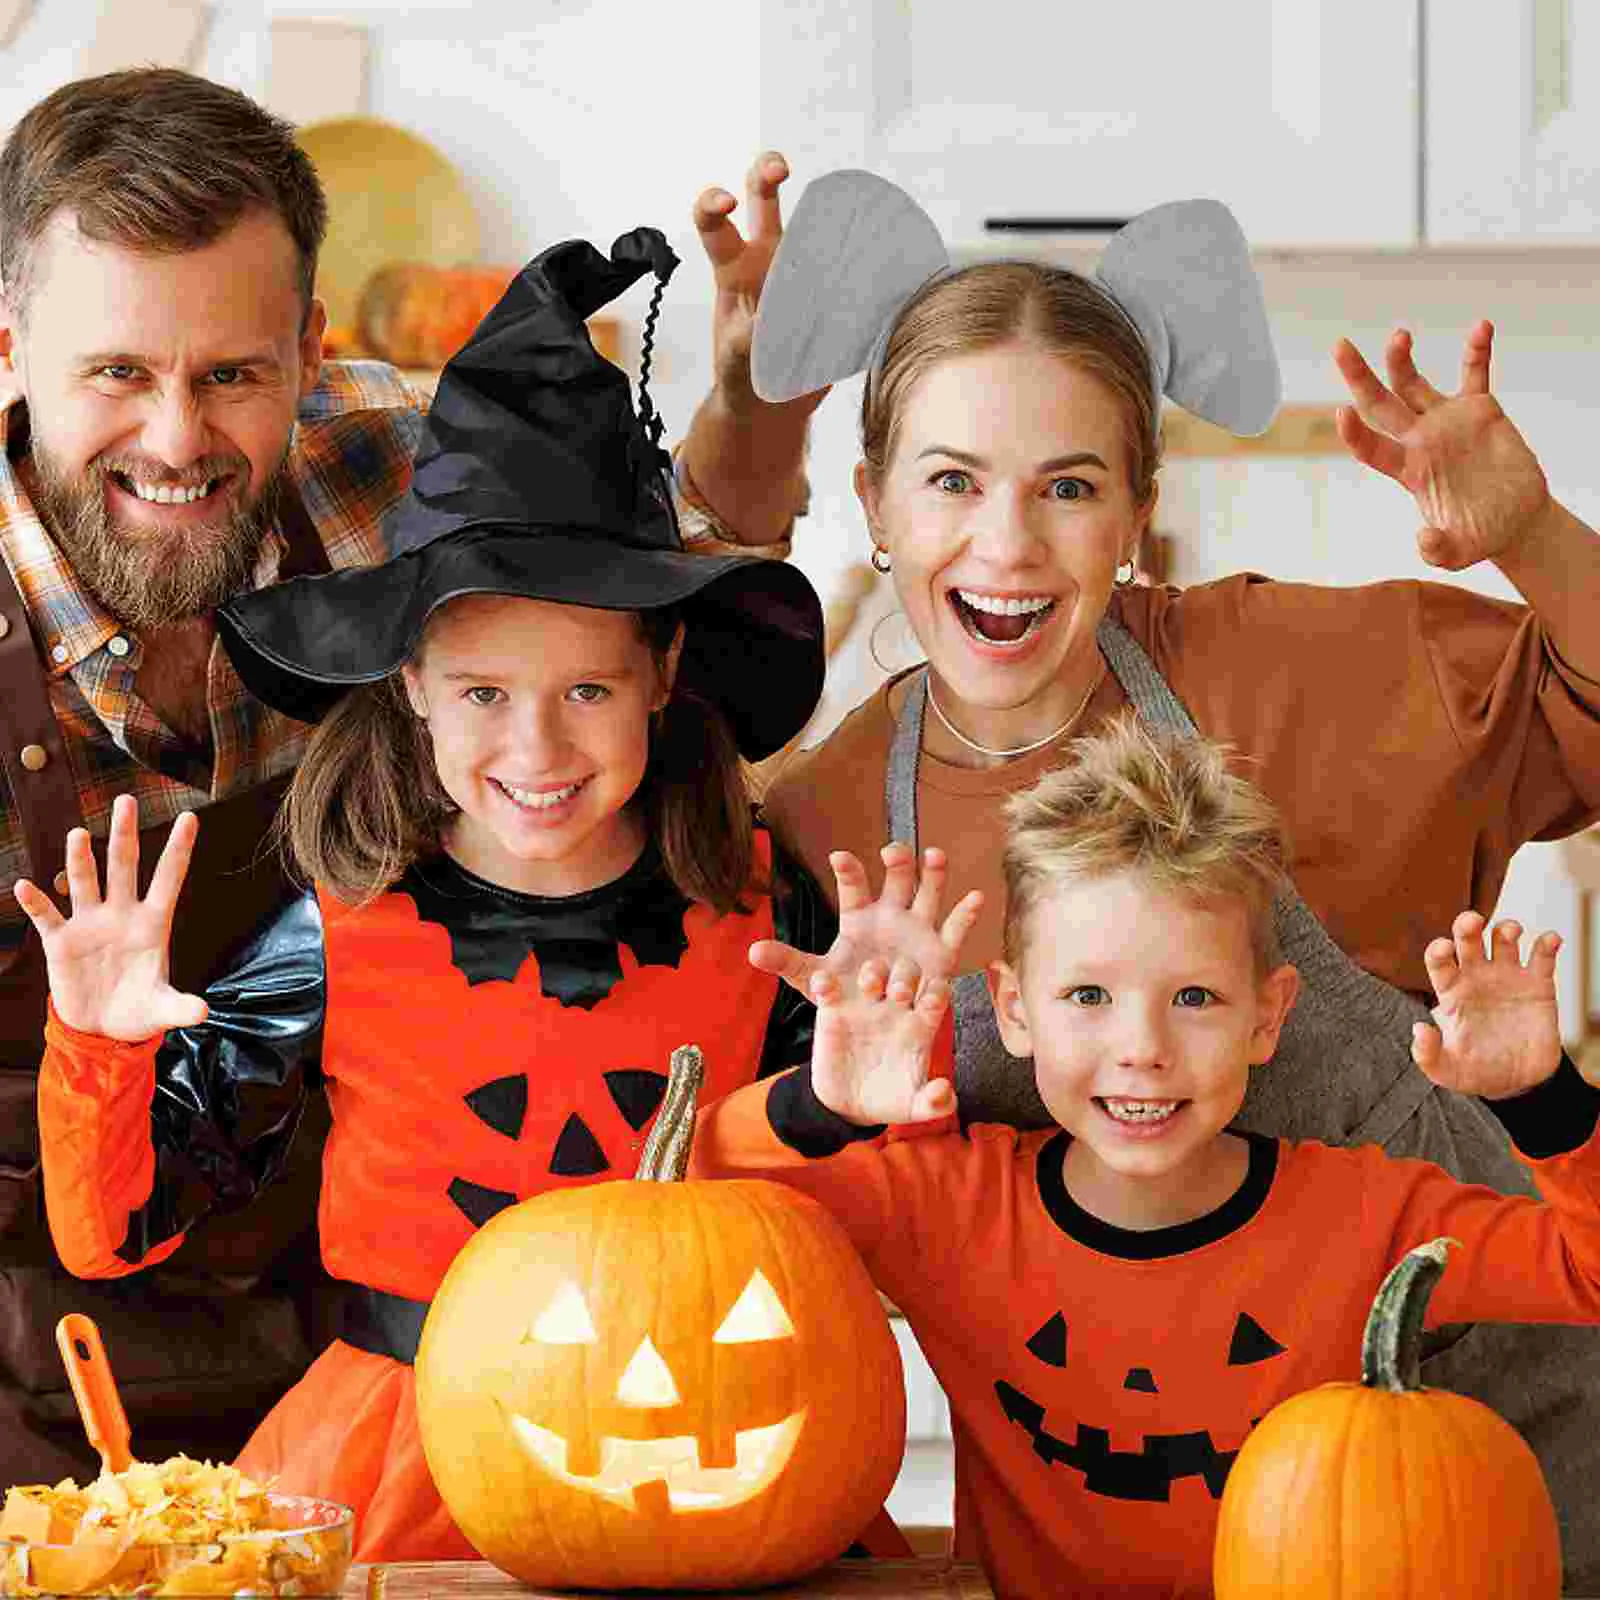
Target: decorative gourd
column 416, row 315
column 419, row 316
column 1384, row 1488
column 655, row 1383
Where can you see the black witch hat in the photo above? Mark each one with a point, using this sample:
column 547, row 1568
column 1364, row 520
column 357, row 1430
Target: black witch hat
column 535, row 477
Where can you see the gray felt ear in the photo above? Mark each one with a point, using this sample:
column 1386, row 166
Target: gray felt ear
column 1183, row 273
column 855, row 250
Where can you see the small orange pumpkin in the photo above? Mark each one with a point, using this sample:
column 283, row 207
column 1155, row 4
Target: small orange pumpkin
column 661, row 1384
column 1385, row 1488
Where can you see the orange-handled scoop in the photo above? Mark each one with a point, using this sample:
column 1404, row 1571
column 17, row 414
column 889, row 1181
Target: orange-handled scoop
column 94, row 1389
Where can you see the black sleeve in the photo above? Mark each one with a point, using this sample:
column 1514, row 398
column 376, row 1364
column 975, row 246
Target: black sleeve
column 803, row 918
column 807, row 1126
column 230, row 1093
column 1555, row 1117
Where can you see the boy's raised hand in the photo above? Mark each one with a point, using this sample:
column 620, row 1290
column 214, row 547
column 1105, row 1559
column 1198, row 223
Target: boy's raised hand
column 108, row 960
column 878, row 1014
column 1495, row 1031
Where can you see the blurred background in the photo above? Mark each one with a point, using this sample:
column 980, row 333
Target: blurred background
column 1395, row 162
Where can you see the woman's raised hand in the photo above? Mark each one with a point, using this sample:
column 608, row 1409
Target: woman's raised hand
column 108, row 959
column 877, row 1017
column 1495, row 1030
column 739, row 264
column 1474, row 479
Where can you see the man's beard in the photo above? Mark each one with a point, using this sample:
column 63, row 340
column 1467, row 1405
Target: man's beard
column 146, row 577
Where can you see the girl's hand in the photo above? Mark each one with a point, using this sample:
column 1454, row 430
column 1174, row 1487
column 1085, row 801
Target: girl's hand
column 878, row 1012
column 899, row 923
column 1495, row 1031
column 874, row 1034
column 108, row 960
column 1474, row 479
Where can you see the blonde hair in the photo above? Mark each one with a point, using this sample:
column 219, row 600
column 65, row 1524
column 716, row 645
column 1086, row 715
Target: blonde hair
column 1163, row 807
column 366, row 801
column 996, row 303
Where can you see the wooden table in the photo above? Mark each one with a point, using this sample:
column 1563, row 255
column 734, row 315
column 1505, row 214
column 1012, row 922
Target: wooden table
column 917, row 1578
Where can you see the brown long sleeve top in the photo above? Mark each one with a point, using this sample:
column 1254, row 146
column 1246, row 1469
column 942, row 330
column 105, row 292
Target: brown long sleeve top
column 1412, row 734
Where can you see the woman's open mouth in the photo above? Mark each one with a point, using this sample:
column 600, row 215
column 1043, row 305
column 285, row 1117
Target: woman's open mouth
column 1002, row 620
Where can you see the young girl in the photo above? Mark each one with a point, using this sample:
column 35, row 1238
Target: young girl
column 535, row 873
column 1112, row 1301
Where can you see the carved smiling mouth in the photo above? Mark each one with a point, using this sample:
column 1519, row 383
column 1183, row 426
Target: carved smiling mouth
column 665, row 1474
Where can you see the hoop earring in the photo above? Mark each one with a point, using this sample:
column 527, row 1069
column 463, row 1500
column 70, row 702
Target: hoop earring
column 872, row 644
column 880, row 559
column 1130, row 569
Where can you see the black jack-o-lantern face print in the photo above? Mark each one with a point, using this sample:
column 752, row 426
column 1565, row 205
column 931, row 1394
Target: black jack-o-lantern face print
column 1149, row 1472
column 501, row 1106
column 632, row 1462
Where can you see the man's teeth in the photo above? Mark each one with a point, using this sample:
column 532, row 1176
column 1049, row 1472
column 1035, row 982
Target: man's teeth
column 539, row 801
column 1012, row 606
column 171, row 494
column 1140, row 1110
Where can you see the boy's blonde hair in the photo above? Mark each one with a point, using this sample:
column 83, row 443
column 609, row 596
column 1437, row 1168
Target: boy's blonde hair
column 1160, row 806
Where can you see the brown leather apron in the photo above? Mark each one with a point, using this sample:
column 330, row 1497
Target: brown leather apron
column 202, row 1345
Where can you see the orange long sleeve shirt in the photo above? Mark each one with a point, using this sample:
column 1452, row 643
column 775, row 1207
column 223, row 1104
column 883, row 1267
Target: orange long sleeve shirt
column 1101, row 1380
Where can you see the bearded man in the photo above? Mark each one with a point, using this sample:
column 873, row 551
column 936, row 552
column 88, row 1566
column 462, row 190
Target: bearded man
column 175, row 438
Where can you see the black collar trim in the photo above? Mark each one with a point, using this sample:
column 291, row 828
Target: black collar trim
column 1152, row 1244
column 449, row 880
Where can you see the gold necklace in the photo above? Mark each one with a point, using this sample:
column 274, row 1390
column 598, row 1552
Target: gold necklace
column 1021, row 749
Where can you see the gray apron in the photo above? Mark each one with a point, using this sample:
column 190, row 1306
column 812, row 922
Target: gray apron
column 1342, row 1073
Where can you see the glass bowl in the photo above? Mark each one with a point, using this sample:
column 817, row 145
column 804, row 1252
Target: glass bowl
column 305, row 1550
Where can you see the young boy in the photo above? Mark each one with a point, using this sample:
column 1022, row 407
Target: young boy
column 1111, row 1304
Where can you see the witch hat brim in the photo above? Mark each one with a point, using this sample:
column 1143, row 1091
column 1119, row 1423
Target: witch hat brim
column 535, row 477
column 752, row 627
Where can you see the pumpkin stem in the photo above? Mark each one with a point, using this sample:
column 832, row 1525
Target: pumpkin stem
column 1391, row 1346
column 666, row 1151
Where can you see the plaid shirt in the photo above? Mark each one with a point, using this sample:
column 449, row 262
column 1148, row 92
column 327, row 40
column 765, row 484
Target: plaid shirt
column 350, row 458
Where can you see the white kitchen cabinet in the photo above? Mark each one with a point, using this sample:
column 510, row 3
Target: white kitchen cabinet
column 927, row 1409
column 1299, row 114
column 1511, row 122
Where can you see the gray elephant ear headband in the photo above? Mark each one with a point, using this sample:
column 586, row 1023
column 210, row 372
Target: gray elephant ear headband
column 857, row 249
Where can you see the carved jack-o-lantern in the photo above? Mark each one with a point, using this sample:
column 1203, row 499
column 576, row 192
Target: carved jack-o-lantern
column 660, row 1384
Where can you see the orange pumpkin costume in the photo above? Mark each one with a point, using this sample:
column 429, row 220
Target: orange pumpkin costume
column 479, row 1046
column 1101, row 1380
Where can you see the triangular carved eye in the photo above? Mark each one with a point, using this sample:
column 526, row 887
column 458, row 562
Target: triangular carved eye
column 647, row 1379
column 565, row 1320
column 757, row 1314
